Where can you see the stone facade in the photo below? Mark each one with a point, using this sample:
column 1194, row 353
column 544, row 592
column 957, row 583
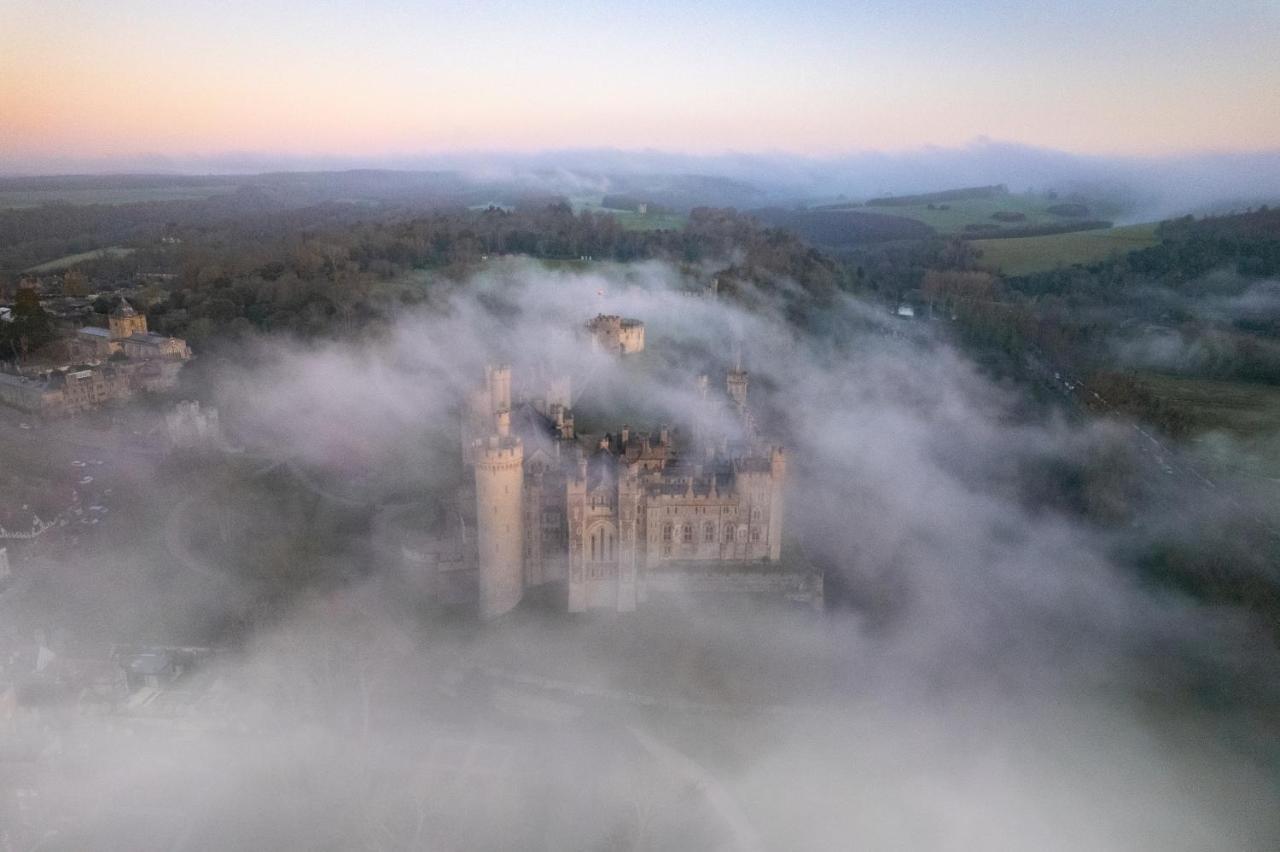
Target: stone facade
column 126, row 333
column 616, row 334
column 599, row 514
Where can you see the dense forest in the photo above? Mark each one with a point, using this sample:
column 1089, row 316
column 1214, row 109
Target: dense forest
column 1197, row 304
column 227, row 266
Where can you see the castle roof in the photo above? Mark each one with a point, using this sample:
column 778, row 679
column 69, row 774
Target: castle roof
column 149, row 338
column 123, row 309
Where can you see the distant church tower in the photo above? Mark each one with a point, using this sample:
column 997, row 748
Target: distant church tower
column 499, row 463
column 124, row 321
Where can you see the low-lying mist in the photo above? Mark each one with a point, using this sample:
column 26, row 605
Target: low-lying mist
column 988, row 673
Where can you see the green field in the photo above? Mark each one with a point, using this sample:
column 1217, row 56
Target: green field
column 1024, row 255
column 18, row 198
column 1237, row 423
column 628, row 219
column 71, row 260
column 978, row 211
column 648, row 221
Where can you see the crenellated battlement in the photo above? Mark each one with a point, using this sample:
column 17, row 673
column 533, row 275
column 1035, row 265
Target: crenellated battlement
column 495, row 450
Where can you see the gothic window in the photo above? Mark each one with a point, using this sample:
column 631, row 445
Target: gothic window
column 708, row 532
column 666, row 532
column 755, row 533
column 602, row 544
column 728, row 532
column 688, row 533
column 755, row 516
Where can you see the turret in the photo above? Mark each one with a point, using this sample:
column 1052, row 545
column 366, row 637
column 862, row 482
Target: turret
column 777, row 482
column 736, row 385
column 498, row 380
column 499, row 463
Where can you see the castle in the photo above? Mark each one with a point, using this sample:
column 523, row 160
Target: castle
column 126, row 333
column 607, row 517
column 619, row 335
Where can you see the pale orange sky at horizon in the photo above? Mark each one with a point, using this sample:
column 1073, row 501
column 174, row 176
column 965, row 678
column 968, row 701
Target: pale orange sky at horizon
column 89, row 80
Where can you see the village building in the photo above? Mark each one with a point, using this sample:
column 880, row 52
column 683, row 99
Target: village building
column 127, row 334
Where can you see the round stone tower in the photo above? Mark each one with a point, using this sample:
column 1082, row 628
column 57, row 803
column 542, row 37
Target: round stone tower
column 499, row 462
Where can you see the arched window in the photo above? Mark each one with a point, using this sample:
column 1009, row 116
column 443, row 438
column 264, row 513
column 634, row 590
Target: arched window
column 688, row 533
column 602, row 542
column 728, row 532
column 708, row 532
column 666, row 532
column 755, row 533
column 755, row 516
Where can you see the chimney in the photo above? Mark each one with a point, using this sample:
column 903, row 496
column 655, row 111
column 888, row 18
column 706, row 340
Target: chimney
column 626, row 435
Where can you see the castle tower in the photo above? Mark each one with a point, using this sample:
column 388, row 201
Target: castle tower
column 630, row 528
column 576, row 516
column 499, row 462
column 777, row 481
column 736, row 385
column 124, row 321
column 498, row 380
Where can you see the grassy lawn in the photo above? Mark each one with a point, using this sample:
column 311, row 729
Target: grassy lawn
column 72, row 259
column 648, row 221
column 1238, row 422
column 978, row 211
column 630, row 220
column 1024, row 255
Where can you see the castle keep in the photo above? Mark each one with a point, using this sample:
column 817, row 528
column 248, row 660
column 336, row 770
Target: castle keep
column 619, row 335
column 608, row 516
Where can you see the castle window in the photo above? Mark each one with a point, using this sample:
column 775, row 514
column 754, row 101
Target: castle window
column 728, row 532
column 755, row 533
column 666, row 532
column 755, row 516
column 688, row 534
column 602, row 544
column 708, row 532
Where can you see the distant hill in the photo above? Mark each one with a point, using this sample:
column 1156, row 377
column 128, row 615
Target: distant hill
column 962, row 194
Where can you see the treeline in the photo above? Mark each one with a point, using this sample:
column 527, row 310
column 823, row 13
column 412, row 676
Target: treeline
column 984, row 231
column 34, row 235
column 340, row 279
column 842, row 229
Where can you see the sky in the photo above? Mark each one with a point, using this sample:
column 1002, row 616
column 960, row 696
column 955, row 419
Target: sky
column 92, row 78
